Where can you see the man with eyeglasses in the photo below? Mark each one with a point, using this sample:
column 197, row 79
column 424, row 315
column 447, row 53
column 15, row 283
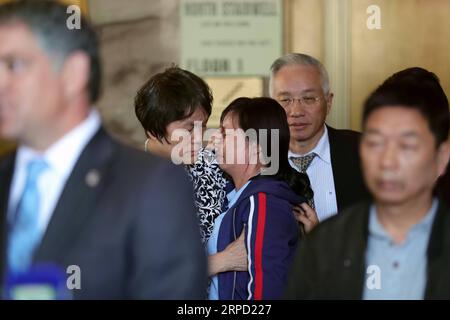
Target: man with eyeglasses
column 330, row 157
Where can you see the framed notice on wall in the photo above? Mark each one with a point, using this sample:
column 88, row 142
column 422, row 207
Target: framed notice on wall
column 230, row 37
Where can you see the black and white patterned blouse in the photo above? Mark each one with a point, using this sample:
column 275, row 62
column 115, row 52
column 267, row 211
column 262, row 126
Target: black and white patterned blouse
column 209, row 190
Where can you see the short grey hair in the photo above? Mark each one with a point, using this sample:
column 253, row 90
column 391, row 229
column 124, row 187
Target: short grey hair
column 300, row 59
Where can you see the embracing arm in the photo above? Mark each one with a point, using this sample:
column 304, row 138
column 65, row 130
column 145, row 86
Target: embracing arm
column 233, row 258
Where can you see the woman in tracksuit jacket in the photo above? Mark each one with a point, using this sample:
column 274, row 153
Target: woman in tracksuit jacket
column 263, row 211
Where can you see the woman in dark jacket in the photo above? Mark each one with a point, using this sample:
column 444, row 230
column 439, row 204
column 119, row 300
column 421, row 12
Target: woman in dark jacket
column 253, row 152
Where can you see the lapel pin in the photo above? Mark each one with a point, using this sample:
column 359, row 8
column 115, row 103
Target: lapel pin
column 93, row 178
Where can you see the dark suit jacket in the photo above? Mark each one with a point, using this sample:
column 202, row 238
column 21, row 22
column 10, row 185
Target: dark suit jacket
column 331, row 261
column 348, row 181
column 443, row 187
column 134, row 234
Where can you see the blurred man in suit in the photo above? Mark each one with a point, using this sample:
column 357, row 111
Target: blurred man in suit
column 398, row 246
column 443, row 187
column 72, row 196
column 330, row 157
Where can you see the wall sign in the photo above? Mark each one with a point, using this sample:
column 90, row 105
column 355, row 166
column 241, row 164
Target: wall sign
column 230, row 37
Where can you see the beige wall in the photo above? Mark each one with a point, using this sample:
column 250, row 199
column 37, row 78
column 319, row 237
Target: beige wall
column 413, row 33
column 304, row 27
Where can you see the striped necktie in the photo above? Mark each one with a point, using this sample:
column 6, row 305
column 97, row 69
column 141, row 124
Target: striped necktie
column 303, row 163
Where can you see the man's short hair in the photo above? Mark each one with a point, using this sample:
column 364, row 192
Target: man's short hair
column 417, row 89
column 47, row 20
column 293, row 59
column 170, row 96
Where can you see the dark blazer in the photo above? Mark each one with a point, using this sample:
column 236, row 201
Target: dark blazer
column 133, row 232
column 348, row 181
column 443, row 187
column 330, row 263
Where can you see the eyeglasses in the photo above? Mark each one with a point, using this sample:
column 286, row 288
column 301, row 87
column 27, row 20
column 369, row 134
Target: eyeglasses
column 306, row 101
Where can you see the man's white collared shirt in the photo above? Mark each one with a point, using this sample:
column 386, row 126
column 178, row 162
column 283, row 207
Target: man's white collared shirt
column 61, row 158
column 320, row 173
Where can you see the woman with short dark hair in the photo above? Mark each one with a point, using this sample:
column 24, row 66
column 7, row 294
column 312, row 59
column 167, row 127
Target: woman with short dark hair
column 178, row 101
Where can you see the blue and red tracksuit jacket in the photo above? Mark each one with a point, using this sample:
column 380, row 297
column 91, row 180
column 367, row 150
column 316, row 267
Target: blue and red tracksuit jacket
column 264, row 209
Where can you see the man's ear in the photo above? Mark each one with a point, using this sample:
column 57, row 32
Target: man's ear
column 443, row 157
column 329, row 101
column 75, row 74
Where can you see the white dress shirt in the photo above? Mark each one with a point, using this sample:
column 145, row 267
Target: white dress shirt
column 320, row 173
column 60, row 158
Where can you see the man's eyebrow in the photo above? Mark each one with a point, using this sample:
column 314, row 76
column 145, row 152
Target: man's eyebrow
column 371, row 131
column 7, row 56
column 309, row 90
column 287, row 93
column 284, row 93
column 406, row 134
column 410, row 134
